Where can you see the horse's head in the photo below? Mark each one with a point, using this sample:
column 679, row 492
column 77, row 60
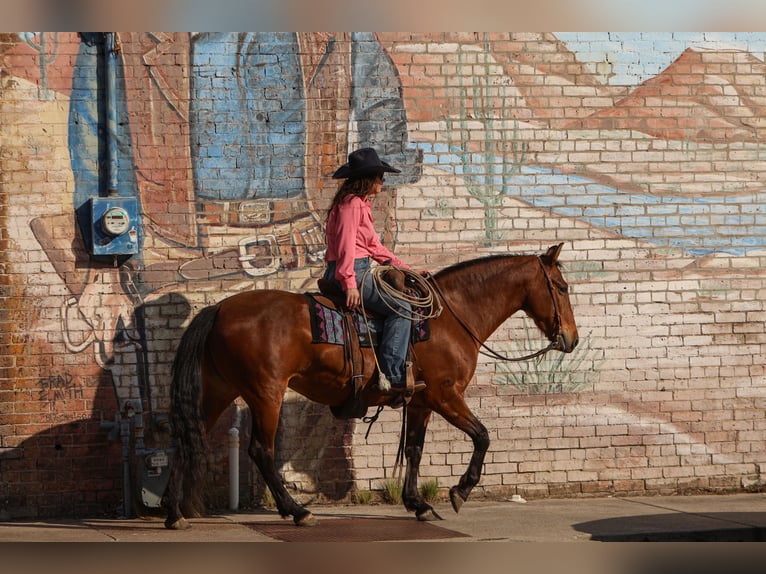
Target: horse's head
column 548, row 304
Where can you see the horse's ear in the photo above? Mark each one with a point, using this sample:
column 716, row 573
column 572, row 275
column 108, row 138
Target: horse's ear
column 552, row 255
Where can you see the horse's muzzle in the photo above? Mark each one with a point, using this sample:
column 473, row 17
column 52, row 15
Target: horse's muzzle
column 566, row 343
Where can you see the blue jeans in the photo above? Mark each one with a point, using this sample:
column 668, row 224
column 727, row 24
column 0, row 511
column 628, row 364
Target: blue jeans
column 395, row 339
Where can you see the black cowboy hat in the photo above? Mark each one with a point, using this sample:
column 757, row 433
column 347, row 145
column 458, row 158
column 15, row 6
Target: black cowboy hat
column 363, row 163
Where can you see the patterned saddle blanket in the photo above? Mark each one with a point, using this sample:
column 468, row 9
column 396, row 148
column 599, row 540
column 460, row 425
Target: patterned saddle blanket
column 327, row 326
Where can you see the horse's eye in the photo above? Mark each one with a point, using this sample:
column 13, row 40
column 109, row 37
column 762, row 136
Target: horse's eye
column 563, row 289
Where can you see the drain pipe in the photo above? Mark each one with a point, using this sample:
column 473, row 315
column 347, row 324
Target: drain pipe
column 110, row 98
column 110, row 95
column 234, row 460
column 125, row 427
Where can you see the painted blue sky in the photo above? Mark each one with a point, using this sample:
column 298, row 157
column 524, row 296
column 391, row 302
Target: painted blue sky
column 637, row 56
column 697, row 226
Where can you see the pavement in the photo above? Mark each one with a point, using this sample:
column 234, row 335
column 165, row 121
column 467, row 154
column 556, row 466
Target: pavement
column 708, row 518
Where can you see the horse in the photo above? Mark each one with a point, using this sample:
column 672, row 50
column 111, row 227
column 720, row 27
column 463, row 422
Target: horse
column 256, row 344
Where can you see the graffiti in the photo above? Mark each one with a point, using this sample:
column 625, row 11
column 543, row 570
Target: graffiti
column 59, row 388
column 259, row 181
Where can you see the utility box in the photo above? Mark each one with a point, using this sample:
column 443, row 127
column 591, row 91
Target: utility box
column 153, row 475
column 114, row 225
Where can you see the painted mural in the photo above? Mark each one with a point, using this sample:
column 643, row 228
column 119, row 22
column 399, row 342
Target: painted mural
column 231, row 205
column 506, row 141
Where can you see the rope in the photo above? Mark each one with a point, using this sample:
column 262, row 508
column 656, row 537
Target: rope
column 428, row 301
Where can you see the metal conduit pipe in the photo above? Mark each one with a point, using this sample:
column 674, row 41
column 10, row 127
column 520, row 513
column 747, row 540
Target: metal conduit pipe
column 234, row 460
column 110, row 96
column 125, row 424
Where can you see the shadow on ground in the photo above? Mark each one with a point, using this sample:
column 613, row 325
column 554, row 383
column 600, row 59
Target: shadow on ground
column 679, row 527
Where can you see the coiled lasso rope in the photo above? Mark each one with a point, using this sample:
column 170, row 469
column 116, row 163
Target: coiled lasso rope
column 428, row 305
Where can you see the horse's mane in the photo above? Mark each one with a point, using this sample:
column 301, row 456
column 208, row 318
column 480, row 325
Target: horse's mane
column 472, row 262
column 486, row 259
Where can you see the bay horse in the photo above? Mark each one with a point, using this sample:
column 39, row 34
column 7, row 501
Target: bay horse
column 258, row 343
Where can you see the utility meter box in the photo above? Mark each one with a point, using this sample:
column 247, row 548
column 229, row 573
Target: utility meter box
column 114, row 225
column 153, row 476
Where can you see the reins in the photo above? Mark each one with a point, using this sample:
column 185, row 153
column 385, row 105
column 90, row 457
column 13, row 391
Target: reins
column 488, row 352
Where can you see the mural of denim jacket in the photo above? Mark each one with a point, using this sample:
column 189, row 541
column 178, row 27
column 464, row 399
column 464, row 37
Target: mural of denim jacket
column 241, row 145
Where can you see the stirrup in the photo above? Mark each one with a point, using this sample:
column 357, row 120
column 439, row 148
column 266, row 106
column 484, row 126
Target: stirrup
column 403, row 395
column 412, row 386
column 418, row 386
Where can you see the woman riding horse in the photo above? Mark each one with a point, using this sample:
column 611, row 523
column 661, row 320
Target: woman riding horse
column 256, row 344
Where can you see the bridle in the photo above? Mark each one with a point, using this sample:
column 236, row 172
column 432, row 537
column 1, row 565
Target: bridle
column 487, row 352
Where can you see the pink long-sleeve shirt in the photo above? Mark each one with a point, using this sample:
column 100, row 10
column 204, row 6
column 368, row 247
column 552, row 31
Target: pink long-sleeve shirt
column 351, row 235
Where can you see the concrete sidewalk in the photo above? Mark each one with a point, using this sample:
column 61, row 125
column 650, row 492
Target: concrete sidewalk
column 739, row 517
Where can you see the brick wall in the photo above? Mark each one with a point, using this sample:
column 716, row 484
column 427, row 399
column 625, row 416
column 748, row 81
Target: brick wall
column 641, row 152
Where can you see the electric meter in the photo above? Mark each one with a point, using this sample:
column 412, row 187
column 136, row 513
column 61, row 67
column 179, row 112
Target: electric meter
column 115, row 221
column 115, row 226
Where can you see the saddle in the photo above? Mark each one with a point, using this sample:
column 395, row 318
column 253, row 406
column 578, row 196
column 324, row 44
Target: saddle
column 353, row 348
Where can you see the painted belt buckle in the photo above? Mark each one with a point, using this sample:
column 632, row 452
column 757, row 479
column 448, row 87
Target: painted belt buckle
column 252, row 261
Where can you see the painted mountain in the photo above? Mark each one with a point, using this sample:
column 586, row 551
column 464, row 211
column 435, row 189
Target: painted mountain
column 694, row 129
column 704, row 96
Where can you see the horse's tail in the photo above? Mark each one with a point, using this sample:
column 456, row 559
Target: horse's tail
column 186, row 421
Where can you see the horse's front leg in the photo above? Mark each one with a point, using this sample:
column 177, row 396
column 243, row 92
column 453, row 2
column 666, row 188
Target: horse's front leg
column 457, row 413
column 417, row 421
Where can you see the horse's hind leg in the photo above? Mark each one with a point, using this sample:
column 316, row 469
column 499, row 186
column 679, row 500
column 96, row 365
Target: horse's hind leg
column 183, row 497
column 261, row 450
column 175, row 519
column 417, row 421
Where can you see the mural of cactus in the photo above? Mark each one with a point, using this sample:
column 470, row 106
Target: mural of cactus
column 47, row 54
column 552, row 373
column 489, row 163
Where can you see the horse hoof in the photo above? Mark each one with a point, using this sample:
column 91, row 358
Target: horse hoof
column 429, row 515
column 180, row 524
column 456, row 499
column 307, row 519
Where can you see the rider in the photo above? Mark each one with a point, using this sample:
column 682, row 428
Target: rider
column 351, row 243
